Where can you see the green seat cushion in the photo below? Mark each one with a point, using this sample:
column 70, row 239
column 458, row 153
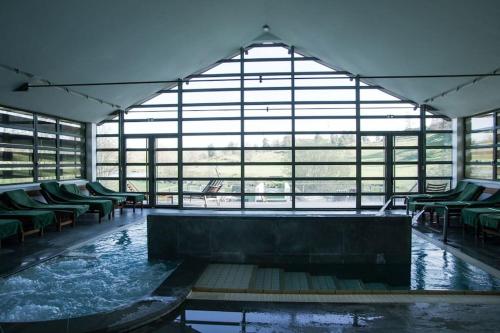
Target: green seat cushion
column 72, row 188
column 98, row 188
column 451, row 194
column 52, row 188
column 490, row 221
column 9, row 227
column 21, row 199
column 470, row 193
column 39, row 218
column 470, row 216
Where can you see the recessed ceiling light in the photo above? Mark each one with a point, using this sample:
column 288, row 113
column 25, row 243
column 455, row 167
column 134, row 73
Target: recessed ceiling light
column 266, row 28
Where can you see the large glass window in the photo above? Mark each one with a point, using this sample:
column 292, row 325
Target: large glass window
column 272, row 128
column 481, row 146
column 35, row 147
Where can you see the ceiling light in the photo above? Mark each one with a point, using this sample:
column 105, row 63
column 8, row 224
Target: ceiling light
column 266, row 28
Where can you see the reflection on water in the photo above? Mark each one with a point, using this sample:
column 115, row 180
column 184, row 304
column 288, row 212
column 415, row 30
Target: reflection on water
column 435, row 269
column 276, row 321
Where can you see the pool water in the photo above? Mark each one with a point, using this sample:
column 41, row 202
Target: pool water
column 111, row 272
column 433, row 268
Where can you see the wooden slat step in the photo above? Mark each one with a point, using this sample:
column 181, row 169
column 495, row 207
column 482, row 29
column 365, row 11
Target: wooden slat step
column 267, row 279
column 226, row 276
column 295, row 281
column 323, row 282
column 349, row 284
column 375, row 286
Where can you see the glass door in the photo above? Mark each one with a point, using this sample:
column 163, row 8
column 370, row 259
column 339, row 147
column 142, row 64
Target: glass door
column 151, row 168
column 390, row 165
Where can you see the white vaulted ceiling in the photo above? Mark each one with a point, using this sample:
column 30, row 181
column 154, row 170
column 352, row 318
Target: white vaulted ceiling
column 71, row 41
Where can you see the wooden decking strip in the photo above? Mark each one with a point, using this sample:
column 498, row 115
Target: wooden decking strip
column 347, row 298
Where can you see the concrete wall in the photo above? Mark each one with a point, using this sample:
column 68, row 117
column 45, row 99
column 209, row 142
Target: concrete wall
column 458, row 142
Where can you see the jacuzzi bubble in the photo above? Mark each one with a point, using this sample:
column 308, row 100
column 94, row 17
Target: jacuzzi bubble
column 112, row 272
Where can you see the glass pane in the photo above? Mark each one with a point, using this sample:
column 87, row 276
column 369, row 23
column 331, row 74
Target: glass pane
column 438, row 170
column 479, row 122
column 108, row 170
column 166, row 156
column 268, row 186
column 437, row 124
column 268, row 201
column 325, row 186
column 405, row 185
column 149, row 127
column 107, row 157
column 211, row 141
column 478, row 139
column 137, row 171
column 479, row 171
column 167, row 199
column 479, row 155
column 210, row 156
column 372, row 155
column 211, row 126
column 438, row 139
column 108, row 128
column 137, row 156
column 325, row 170
column 12, row 175
column 405, row 141
column 275, row 125
column 107, row 142
column 228, row 186
column 369, row 171
column 16, row 156
column 268, row 140
column 406, row 170
column 390, row 124
column 166, row 171
column 326, row 201
column 278, row 156
column 141, row 143
column 373, row 186
column 373, row 141
column 325, row 125
column 325, row 140
column 111, row 184
column 405, row 155
column 278, row 171
column 372, row 200
column 165, row 143
column 323, row 155
column 211, row 171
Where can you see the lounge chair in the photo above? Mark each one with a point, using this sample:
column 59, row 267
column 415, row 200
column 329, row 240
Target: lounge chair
column 55, row 195
column 470, row 216
column 33, row 221
column 21, row 200
column 209, row 191
column 118, row 201
column 470, row 192
column 490, row 224
column 450, row 195
column 10, row 227
column 134, row 199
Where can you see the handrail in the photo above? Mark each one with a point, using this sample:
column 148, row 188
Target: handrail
column 396, row 196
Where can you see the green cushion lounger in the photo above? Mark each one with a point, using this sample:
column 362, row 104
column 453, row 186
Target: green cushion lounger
column 10, row 227
column 33, row 221
column 118, row 201
column 470, row 193
column 489, row 224
column 411, row 199
column 54, row 195
column 471, row 216
column 97, row 188
column 21, row 200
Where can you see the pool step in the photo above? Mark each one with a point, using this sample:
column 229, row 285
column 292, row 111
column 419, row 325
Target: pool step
column 238, row 278
column 350, row 284
column 296, row 281
column 323, row 282
column 267, row 279
column 226, row 276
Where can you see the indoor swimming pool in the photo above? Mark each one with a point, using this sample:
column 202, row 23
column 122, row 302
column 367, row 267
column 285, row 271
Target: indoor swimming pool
column 113, row 271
